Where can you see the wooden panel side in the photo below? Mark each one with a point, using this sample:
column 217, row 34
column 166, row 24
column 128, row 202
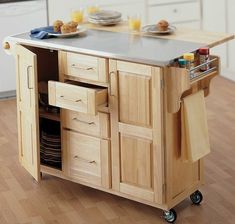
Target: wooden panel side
column 136, row 161
column 105, row 163
column 113, row 103
column 135, row 99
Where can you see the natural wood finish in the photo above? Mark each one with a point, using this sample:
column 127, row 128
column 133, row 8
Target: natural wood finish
column 210, row 39
column 114, row 121
column 27, row 110
column 134, row 68
column 134, row 98
column 132, row 95
column 96, row 125
column 83, row 66
column 77, row 98
column 159, row 181
column 136, row 161
column 178, row 82
column 136, row 131
column 194, row 135
column 137, row 192
column 85, row 158
column 23, row 201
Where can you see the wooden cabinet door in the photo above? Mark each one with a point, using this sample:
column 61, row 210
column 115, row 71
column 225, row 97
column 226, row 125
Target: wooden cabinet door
column 137, row 155
column 27, row 109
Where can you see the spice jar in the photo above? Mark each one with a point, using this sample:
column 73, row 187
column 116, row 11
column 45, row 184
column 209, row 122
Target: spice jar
column 189, row 57
column 182, row 63
column 204, row 56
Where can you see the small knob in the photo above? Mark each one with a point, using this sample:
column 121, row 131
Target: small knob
column 6, row 46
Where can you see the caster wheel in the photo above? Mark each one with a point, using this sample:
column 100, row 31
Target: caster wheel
column 170, row 216
column 196, row 197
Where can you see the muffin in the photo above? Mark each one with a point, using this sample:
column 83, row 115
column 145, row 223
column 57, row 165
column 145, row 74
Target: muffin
column 57, row 25
column 65, row 29
column 73, row 26
column 162, row 25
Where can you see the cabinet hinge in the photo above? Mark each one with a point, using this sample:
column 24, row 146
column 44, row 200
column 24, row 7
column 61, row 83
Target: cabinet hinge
column 162, row 83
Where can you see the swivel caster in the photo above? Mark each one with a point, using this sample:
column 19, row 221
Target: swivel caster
column 170, row 216
column 196, row 197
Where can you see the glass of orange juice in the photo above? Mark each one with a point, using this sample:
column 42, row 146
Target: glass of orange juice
column 77, row 15
column 134, row 22
column 93, row 9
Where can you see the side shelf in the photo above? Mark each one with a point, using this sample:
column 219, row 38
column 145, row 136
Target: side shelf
column 178, row 82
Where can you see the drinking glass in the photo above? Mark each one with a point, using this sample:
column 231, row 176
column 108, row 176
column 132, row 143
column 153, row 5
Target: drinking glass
column 92, row 9
column 77, row 15
column 134, row 22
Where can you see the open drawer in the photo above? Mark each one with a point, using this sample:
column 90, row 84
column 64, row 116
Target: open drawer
column 78, row 97
column 179, row 80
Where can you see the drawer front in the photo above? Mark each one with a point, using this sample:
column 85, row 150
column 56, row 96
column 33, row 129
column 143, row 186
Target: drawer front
column 87, row 158
column 77, row 98
column 175, row 13
column 96, row 125
column 84, row 67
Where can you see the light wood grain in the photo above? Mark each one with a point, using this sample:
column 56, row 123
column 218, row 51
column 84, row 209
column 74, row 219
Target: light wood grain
column 85, row 158
column 77, row 98
column 27, row 110
column 96, row 125
column 59, row 201
column 83, row 66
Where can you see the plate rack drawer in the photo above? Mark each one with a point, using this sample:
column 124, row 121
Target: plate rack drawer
column 95, row 125
column 75, row 97
column 87, row 158
column 83, row 66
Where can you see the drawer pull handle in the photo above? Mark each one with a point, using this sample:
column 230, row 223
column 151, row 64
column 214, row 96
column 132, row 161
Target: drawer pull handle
column 85, row 160
column 76, row 101
column 83, row 68
column 85, row 122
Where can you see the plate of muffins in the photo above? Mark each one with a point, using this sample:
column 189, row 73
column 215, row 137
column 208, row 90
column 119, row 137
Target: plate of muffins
column 162, row 27
column 69, row 29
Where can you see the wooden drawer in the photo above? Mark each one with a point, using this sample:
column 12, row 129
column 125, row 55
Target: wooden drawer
column 96, row 125
column 85, row 99
column 175, row 13
column 83, row 66
column 87, row 158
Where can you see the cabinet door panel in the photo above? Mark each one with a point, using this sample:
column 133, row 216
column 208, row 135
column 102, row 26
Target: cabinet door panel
column 136, row 161
column 27, row 106
column 134, row 99
column 136, row 126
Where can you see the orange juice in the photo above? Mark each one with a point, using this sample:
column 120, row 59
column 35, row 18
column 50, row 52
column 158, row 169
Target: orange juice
column 134, row 24
column 77, row 16
column 92, row 9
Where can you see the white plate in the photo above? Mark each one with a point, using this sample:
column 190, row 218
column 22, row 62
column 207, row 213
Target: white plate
column 63, row 35
column 105, row 14
column 104, row 22
column 154, row 30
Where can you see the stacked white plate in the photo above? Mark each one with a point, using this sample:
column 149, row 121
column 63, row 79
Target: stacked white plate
column 105, row 17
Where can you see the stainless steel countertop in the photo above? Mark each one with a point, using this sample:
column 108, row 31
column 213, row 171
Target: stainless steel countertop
column 122, row 46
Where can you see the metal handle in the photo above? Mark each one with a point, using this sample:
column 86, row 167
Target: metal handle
column 76, row 101
column 85, row 122
column 28, row 82
column 83, row 68
column 85, row 160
